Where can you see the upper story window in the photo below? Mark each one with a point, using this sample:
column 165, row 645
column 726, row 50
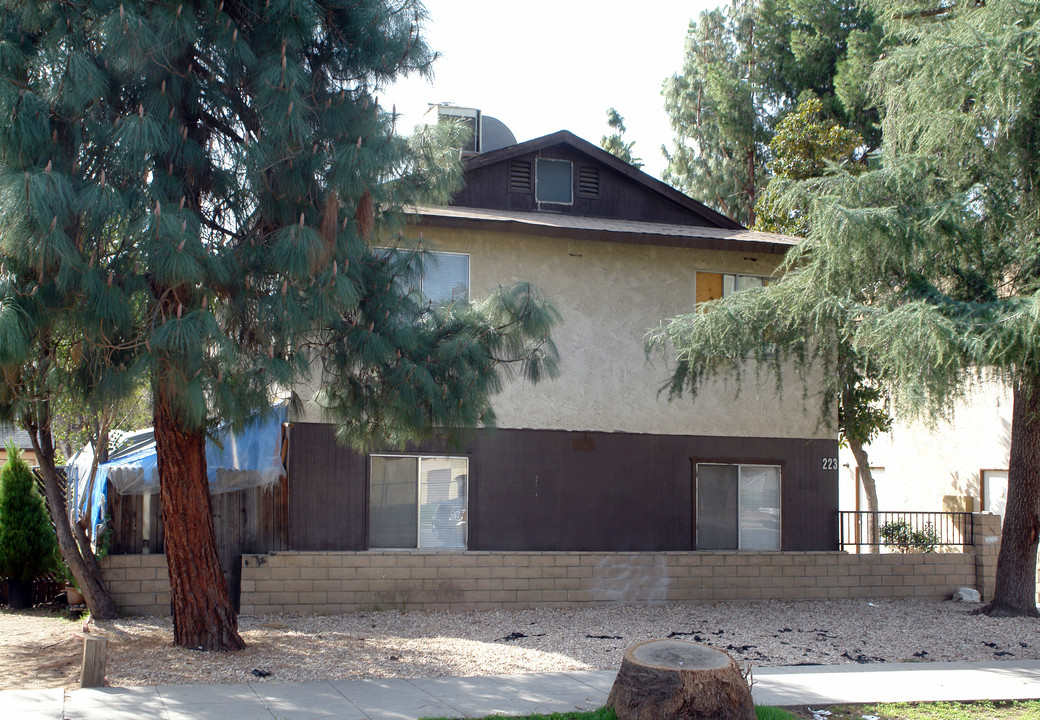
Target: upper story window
column 554, row 181
column 444, row 277
column 713, row 286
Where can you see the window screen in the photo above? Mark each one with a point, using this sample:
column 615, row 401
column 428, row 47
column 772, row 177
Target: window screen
column 749, row 281
column 391, row 502
column 738, row 507
column 553, row 182
column 418, row 502
column 717, row 507
column 444, row 277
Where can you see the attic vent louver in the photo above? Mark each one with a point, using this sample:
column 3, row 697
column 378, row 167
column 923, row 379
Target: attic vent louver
column 520, row 176
column 588, row 181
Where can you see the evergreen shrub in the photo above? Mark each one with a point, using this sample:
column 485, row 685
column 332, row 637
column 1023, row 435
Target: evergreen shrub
column 27, row 541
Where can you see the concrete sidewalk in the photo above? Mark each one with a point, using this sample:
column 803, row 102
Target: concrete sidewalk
column 511, row 694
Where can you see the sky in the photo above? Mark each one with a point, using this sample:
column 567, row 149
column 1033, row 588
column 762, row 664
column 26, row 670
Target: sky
column 540, row 66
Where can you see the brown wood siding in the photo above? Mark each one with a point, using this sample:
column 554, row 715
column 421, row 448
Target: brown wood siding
column 558, row 490
column 619, row 196
column 254, row 520
column 328, row 491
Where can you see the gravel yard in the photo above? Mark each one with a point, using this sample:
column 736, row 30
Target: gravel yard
column 40, row 650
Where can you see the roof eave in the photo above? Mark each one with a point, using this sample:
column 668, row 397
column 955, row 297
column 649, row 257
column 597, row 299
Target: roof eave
column 603, row 235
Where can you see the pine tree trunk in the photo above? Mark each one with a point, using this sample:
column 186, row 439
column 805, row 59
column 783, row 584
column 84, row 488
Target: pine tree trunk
column 1014, row 594
column 870, row 488
column 203, row 616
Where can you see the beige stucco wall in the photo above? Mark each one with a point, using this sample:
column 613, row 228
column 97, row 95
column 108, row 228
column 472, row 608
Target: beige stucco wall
column 610, row 294
column 924, row 463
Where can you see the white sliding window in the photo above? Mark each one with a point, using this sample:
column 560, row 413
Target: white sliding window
column 417, row 502
column 738, row 507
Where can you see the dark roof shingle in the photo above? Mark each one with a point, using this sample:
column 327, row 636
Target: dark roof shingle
column 21, row 437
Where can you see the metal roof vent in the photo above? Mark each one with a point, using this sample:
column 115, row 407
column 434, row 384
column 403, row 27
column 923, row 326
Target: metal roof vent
column 486, row 133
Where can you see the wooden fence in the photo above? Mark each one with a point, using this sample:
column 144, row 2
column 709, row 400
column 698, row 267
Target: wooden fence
column 249, row 521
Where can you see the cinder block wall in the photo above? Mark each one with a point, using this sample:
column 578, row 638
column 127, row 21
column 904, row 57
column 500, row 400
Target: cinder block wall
column 337, row 582
column 334, row 582
column 139, row 584
column 987, row 547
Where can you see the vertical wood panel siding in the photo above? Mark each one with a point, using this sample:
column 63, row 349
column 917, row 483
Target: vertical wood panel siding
column 619, row 197
column 327, row 497
column 245, row 521
column 567, row 491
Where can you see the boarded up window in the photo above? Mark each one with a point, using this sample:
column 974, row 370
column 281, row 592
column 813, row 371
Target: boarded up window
column 714, row 286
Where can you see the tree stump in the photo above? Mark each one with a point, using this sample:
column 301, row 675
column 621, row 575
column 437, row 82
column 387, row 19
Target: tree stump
column 678, row 680
column 94, row 652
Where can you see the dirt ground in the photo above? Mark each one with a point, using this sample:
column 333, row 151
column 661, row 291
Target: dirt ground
column 42, row 649
column 39, row 650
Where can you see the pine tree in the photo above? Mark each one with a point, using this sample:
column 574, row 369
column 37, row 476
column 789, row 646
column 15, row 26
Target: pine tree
column 745, row 68
column 212, row 184
column 615, row 142
column 806, row 145
column 928, row 266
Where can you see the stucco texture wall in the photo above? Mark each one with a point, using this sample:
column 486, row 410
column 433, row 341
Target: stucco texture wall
column 610, row 295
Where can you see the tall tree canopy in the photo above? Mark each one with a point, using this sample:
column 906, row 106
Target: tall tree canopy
column 806, row 145
column 928, row 265
column 202, row 192
column 746, row 66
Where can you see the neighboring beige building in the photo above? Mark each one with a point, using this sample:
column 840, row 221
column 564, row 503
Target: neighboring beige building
column 954, row 465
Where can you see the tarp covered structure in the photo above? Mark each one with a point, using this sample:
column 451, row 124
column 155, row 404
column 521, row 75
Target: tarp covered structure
column 234, row 461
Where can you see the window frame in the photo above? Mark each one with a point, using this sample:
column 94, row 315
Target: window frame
column 779, row 465
column 419, row 457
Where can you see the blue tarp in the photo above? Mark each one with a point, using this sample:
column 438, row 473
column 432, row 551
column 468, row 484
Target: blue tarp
column 234, row 461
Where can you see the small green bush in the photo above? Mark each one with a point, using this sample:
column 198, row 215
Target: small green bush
column 27, row 542
column 900, row 535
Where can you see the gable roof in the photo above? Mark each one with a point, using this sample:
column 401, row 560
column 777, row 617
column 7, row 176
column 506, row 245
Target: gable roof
column 652, row 184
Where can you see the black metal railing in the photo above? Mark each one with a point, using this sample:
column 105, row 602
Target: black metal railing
column 904, row 532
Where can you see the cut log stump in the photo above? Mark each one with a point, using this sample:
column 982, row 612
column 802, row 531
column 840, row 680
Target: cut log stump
column 678, row 680
column 94, row 651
